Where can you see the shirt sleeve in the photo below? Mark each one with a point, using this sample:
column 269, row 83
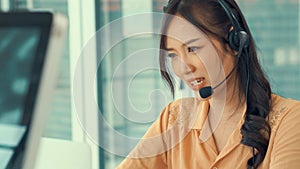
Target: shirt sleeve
column 286, row 147
column 149, row 153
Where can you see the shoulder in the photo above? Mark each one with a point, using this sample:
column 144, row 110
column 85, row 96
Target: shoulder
column 283, row 109
column 284, row 143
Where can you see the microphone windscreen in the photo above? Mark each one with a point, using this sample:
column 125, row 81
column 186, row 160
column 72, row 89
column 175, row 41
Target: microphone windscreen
column 205, row 92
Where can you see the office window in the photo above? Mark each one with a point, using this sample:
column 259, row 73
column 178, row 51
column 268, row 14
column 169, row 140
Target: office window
column 275, row 26
column 129, row 76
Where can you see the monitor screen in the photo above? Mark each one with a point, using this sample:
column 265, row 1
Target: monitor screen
column 23, row 46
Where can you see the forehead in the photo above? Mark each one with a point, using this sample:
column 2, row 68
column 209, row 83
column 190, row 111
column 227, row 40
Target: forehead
column 183, row 31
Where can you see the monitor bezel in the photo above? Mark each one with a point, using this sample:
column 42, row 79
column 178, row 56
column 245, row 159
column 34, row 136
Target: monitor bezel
column 41, row 81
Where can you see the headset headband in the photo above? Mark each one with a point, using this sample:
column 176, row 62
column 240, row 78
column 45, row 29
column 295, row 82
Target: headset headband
column 230, row 15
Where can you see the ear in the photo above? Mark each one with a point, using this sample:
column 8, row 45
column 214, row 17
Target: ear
column 228, row 48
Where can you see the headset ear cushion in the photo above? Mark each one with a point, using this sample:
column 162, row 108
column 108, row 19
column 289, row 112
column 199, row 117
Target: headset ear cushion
column 234, row 40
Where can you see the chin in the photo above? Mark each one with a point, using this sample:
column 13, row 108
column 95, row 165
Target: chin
column 197, row 95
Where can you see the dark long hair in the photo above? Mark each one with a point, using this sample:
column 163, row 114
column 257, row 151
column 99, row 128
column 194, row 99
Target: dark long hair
column 210, row 17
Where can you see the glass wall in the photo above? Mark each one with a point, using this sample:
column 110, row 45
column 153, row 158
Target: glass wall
column 275, row 25
column 128, row 74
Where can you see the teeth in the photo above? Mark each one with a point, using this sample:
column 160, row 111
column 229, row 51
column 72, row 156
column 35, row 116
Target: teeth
column 197, row 82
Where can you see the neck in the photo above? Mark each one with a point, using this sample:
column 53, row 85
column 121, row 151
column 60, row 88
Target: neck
column 228, row 99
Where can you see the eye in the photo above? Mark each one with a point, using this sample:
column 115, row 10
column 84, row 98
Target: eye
column 193, row 48
column 171, row 55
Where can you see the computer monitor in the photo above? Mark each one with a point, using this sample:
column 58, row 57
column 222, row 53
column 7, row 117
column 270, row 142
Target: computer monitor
column 30, row 50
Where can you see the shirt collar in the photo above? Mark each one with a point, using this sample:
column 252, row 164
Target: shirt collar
column 202, row 113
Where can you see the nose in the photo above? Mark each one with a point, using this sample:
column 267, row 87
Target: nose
column 187, row 66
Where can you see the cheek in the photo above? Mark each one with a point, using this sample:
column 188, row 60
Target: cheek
column 210, row 62
column 176, row 68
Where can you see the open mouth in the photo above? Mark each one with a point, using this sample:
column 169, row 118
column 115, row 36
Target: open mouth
column 198, row 81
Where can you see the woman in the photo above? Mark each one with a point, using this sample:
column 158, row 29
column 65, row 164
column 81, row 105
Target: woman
column 236, row 122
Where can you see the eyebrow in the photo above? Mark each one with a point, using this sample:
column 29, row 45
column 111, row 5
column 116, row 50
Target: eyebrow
column 191, row 41
column 168, row 49
column 186, row 43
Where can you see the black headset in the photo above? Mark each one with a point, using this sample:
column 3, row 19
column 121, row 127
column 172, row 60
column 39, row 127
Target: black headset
column 237, row 37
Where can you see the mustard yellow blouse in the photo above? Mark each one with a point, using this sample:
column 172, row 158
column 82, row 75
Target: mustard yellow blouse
column 173, row 141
